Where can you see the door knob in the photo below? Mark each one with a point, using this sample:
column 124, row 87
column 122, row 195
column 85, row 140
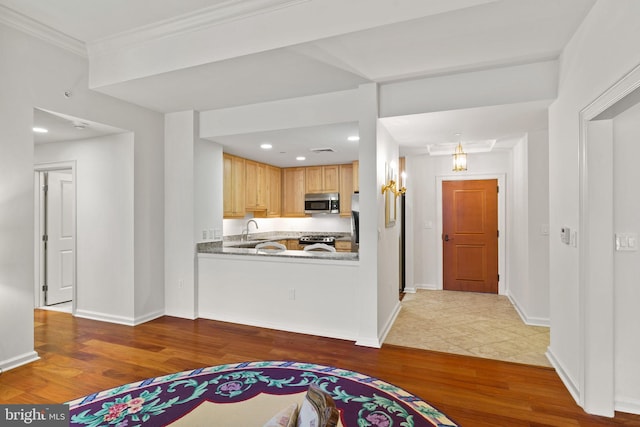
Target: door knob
column 446, row 237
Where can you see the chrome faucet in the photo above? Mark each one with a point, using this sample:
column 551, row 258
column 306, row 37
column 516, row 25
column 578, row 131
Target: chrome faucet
column 245, row 232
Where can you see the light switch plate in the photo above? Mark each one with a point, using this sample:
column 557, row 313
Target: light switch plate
column 626, row 242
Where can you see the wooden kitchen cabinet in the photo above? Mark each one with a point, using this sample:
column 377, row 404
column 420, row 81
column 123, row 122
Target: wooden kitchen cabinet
column 233, row 186
column 256, row 186
column 293, row 190
column 322, row 179
column 274, row 191
column 356, row 178
column 293, row 245
column 346, row 189
column 343, row 246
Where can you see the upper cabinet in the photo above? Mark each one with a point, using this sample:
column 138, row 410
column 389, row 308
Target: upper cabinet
column 322, row 179
column 293, row 189
column 274, row 191
column 233, row 186
column 256, row 186
column 356, row 178
column 269, row 191
column 346, row 189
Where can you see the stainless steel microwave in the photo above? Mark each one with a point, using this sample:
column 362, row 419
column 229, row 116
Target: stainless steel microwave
column 321, row 203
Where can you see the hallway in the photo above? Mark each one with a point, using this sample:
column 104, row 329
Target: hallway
column 470, row 324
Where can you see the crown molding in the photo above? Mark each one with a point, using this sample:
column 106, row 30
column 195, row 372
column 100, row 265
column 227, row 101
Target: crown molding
column 36, row 29
column 222, row 13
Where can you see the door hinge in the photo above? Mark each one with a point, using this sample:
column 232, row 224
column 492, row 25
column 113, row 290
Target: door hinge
column 45, row 238
column 498, row 277
column 497, row 233
column 497, row 189
column 45, row 188
column 45, row 288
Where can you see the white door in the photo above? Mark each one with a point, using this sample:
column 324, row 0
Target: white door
column 60, row 230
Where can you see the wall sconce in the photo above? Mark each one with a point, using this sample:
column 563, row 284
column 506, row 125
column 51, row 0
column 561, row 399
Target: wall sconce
column 459, row 159
column 391, row 186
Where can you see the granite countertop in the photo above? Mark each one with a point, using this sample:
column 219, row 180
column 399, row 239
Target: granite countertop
column 231, row 246
column 222, row 250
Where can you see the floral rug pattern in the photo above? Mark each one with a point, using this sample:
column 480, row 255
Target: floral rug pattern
column 362, row 400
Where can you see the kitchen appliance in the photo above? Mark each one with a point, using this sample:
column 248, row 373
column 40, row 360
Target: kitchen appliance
column 310, row 240
column 355, row 220
column 328, row 203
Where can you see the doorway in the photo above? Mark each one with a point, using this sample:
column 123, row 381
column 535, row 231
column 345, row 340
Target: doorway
column 56, row 236
column 470, row 235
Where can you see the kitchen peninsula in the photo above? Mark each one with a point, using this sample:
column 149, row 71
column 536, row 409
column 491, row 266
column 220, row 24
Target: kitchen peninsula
column 300, row 291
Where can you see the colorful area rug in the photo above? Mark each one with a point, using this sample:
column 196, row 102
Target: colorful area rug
column 250, row 394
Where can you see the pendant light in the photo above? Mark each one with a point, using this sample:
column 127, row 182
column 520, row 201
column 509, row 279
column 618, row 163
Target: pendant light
column 459, row 158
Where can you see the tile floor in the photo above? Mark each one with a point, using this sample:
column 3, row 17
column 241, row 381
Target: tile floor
column 472, row 324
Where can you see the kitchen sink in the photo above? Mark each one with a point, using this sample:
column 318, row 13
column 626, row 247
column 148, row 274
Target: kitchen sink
column 246, row 244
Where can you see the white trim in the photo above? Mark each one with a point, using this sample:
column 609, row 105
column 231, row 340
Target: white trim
column 279, row 326
column 566, row 379
column 502, row 224
column 102, row 317
column 629, row 405
column 148, row 317
column 596, row 388
column 531, row 321
column 36, row 29
column 228, row 11
column 20, row 360
column 392, row 318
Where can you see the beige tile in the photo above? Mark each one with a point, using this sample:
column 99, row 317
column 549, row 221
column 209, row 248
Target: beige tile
column 468, row 323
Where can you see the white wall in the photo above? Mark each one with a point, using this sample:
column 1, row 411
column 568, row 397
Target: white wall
column 423, row 240
column 389, row 237
column 626, row 150
column 104, row 209
column 601, row 51
column 179, row 227
column 36, row 74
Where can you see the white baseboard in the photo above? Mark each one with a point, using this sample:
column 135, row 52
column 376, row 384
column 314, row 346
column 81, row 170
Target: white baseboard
column 102, row 317
column 418, row 286
column 342, row 335
column 531, row 321
column 627, row 404
column 148, row 317
column 566, row 379
column 20, row 360
column 390, row 321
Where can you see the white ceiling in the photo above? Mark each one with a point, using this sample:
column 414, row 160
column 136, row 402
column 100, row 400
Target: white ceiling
column 62, row 127
column 490, row 34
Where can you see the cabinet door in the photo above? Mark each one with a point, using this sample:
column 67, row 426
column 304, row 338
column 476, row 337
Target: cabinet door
column 356, row 178
column 293, row 188
column 238, row 187
column 313, row 179
column 343, row 246
column 274, row 191
column 233, row 188
column 331, row 179
column 251, row 192
column 261, row 186
column 346, row 189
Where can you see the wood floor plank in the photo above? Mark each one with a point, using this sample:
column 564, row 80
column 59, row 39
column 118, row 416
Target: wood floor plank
column 80, row 356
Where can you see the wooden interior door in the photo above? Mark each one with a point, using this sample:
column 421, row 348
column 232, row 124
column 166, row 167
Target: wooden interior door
column 470, row 235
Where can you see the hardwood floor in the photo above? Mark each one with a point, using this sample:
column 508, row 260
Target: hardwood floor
column 80, row 356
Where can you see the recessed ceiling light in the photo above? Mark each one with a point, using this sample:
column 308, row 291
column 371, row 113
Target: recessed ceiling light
column 301, row 158
column 353, row 138
column 40, row 130
column 266, row 146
